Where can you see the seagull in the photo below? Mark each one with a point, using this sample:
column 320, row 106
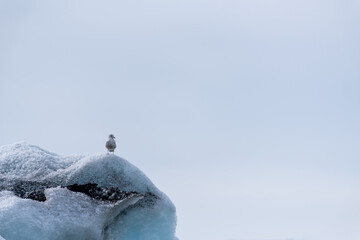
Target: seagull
column 111, row 144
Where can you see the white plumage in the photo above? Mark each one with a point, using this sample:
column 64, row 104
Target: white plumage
column 111, row 144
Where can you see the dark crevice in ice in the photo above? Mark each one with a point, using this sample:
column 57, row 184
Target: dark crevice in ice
column 28, row 189
column 112, row 194
column 35, row 190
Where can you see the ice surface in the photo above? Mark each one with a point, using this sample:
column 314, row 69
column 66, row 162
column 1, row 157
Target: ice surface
column 72, row 215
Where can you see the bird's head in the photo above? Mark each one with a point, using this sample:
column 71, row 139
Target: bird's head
column 111, row 136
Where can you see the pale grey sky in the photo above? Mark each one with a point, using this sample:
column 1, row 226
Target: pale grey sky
column 246, row 113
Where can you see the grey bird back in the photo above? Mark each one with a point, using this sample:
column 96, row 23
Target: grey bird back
column 111, row 144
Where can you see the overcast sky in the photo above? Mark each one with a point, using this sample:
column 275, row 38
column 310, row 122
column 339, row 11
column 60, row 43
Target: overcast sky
column 245, row 113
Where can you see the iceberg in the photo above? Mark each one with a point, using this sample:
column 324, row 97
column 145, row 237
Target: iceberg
column 47, row 196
